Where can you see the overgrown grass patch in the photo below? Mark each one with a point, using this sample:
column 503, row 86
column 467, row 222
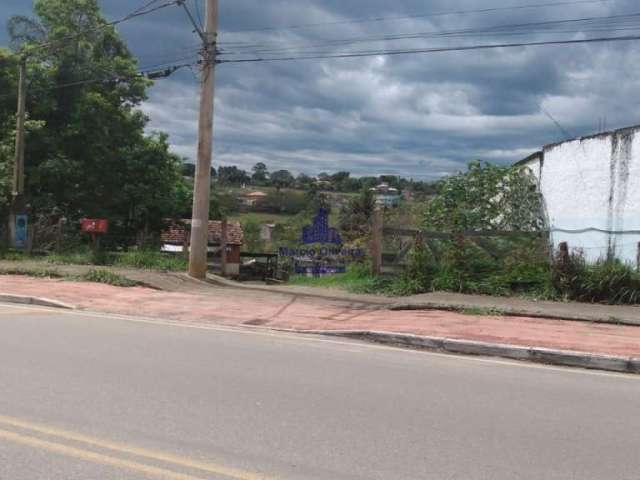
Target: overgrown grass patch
column 109, row 278
column 33, row 272
column 151, row 260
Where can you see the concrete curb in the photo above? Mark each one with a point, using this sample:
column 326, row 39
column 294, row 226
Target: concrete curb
column 512, row 312
column 40, row 302
column 547, row 356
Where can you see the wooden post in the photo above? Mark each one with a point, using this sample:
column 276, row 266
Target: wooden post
column 202, row 180
column 563, row 252
column 18, row 200
column 376, row 241
column 60, row 235
column 186, row 241
column 31, row 234
column 223, row 247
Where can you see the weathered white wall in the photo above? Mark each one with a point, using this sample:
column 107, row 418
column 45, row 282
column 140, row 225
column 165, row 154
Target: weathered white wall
column 593, row 182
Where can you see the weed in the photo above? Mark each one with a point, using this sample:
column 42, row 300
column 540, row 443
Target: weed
column 109, row 278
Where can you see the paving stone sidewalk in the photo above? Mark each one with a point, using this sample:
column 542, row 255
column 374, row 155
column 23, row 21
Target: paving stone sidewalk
column 179, row 282
column 242, row 307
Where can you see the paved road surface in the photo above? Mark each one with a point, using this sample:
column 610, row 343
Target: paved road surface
column 90, row 397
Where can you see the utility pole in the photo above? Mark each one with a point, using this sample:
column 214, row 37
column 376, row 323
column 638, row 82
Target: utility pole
column 17, row 203
column 202, row 179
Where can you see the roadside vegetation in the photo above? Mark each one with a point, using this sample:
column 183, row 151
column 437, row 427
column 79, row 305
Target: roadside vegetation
column 93, row 275
column 516, row 262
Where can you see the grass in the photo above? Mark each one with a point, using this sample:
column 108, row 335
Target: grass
column 257, row 217
column 357, row 279
column 93, row 275
column 109, row 278
column 137, row 259
column 33, row 272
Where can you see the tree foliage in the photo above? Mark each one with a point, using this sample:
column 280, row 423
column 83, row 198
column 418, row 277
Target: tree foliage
column 486, row 197
column 90, row 155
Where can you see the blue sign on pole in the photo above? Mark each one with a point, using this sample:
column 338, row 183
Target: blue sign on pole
column 22, row 223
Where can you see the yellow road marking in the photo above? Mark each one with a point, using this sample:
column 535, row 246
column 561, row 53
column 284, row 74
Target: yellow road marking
column 128, row 449
column 93, row 457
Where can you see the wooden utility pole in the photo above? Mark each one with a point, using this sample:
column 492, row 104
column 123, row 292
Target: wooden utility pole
column 202, row 179
column 17, row 203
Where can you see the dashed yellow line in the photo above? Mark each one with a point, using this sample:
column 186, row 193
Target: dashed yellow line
column 116, row 447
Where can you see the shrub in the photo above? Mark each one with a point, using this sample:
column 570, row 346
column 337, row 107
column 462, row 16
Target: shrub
column 607, row 281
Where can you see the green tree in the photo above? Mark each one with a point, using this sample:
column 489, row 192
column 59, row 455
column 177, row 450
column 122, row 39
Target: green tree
column 282, row 179
column 260, row 173
column 91, row 156
column 355, row 217
column 486, row 197
column 232, row 176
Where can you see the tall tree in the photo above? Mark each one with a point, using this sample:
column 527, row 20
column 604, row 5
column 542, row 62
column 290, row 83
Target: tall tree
column 260, row 173
column 91, row 156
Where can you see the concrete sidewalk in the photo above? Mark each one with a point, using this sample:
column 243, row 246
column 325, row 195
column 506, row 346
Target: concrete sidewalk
column 614, row 314
column 181, row 283
column 240, row 307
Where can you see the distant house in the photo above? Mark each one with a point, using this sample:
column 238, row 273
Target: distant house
column 177, row 235
column 252, row 199
column 386, row 195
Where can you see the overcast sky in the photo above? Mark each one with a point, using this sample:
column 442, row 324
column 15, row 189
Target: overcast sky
column 421, row 116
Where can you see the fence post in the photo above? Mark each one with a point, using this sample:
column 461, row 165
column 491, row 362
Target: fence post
column 31, row 233
column 60, row 234
column 376, row 241
column 223, row 247
column 563, row 252
column 186, row 241
column 638, row 257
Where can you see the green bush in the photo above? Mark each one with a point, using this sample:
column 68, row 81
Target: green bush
column 610, row 281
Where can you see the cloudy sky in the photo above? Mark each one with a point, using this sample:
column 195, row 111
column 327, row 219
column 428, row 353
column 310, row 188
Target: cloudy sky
column 418, row 115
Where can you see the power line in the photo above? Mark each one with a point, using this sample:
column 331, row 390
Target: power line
column 145, row 10
column 601, row 21
column 149, row 73
column 421, row 15
column 433, row 50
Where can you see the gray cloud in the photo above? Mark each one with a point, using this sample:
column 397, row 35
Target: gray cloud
column 420, row 115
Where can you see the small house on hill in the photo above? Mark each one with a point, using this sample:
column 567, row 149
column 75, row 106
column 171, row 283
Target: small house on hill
column 178, row 235
column 386, row 195
column 252, row 199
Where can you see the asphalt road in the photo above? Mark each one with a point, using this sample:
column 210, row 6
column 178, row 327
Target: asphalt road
column 92, row 397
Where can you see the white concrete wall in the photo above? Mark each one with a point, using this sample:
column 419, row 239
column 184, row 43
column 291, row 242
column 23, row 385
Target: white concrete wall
column 593, row 182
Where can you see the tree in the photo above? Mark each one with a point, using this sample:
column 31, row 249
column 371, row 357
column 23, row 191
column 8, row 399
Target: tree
column 260, row 173
column 303, row 181
column 486, row 197
column 90, row 156
column 232, row 176
column 282, row 179
column 355, row 217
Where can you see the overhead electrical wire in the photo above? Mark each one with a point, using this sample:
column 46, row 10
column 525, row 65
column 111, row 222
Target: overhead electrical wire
column 422, row 15
column 148, row 72
column 432, row 50
column 144, row 10
column 502, row 29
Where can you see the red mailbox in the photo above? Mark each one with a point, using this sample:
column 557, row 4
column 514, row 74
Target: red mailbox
column 99, row 226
